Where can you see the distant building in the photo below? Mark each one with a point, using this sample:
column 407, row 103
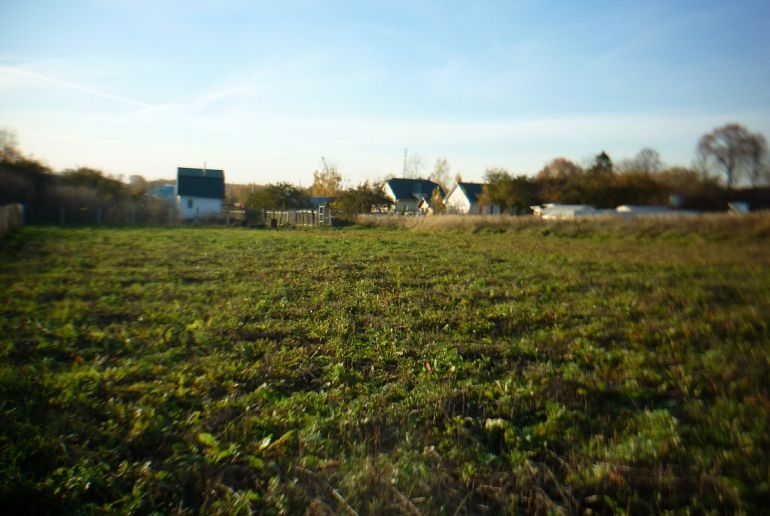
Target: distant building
column 200, row 192
column 465, row 198
column 317, row 202
column 410, row 195
column 165, row 192
column 567, row 211
column 628, row 210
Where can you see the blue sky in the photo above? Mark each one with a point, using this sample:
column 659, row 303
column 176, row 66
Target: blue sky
column 264, row 89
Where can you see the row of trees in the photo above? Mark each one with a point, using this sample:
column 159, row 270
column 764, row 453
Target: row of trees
column 327, row 183
column 79, row 195
column 603, row 185
column 731, row 152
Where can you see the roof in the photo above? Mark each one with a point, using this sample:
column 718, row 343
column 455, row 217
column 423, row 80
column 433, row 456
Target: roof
column 412, row 188
column 472, row 191
column 163, row 191
column 321, row 201
column 200, row 182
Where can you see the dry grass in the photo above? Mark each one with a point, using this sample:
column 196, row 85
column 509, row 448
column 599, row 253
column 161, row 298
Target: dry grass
column 717, row 225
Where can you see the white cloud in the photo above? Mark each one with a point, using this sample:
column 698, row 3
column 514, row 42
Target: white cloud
column 18, row 77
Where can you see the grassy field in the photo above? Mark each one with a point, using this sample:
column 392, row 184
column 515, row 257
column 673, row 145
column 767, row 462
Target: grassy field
column 540, row 368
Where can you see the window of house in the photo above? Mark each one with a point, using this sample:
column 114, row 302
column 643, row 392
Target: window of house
column 189, row 203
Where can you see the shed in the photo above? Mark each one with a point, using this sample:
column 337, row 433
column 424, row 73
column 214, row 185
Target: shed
column 200, row 192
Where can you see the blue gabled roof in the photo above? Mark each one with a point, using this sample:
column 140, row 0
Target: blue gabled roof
column 472, row 191
column 199, row 182
column 412, row 188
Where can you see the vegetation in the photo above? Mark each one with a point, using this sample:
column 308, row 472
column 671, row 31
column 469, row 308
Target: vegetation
column 639, row 181
column 278, row 196
column 364, row 198
column 732, row 151
column 528, row 368
column 82, row 195
column 327, row 182
column 512, row 194
column 736, row 152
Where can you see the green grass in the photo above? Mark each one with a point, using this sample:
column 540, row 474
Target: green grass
column 385, row 370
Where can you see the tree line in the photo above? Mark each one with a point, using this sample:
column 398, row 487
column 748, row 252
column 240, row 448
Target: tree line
column 726, row 157
column 78, row 195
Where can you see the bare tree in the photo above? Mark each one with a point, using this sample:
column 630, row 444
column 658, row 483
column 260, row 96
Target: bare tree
column 9, row 146
column 734, row 150
column 648, row 160
column 414, row 167
column 760, row 168
column 440, row 174
column 559, row 168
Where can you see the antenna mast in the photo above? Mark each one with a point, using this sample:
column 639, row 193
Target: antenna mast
column 403, row 174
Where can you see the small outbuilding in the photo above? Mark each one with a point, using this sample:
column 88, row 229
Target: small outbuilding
column 200, row 192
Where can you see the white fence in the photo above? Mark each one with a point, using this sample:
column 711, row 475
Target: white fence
column 321, row 216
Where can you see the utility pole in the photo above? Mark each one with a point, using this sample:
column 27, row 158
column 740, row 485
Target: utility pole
column 403, row 174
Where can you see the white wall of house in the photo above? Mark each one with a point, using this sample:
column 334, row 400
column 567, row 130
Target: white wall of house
column 458, row 202
column 405, row 205
column 192, row 207
column 401, row 205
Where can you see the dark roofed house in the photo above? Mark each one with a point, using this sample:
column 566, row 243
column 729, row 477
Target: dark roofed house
column 466, row 197
column 410, row 195
column 165, row 192
column 200, row 192
column 319, row 201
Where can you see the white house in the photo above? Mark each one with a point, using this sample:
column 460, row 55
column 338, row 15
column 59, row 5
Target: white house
column 200, row 192
column 410, row 195
column 464, row 198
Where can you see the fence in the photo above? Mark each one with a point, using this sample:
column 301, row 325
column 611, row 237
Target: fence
column 11, row 217
column 160, row 214
column 321, row 216
column 118, row 214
